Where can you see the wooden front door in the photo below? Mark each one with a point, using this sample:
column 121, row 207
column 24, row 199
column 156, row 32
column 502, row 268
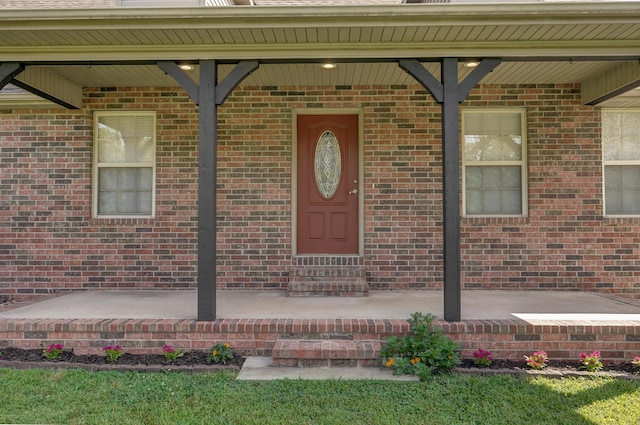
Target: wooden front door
column 328, row 184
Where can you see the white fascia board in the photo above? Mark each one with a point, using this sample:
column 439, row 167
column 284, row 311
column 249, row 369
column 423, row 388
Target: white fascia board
column 321, row 16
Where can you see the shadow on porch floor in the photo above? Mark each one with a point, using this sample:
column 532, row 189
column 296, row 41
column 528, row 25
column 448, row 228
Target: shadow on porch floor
column 530, row 306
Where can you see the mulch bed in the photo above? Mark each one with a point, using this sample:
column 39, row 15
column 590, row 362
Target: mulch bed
column 192, row 361
column 196, row 362
column 554, row 369
column 551, row 364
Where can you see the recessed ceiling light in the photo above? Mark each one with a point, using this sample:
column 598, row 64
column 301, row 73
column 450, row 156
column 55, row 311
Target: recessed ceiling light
column 328, row 65
column 186, row 67
column 472, row 64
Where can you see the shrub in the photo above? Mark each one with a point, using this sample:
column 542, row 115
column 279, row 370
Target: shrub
column 220, row 353
column 422, row 352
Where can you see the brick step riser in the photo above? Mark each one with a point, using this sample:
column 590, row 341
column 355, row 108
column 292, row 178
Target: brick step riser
column 324, row 363
column 324, row 288
column 328, row 273
column 325, row 353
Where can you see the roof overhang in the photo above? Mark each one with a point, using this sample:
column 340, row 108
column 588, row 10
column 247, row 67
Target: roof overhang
column 563, row 42
column 539, row 30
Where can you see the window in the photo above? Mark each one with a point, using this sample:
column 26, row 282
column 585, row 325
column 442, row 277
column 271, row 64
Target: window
column 494, row 162
column 124, row 164
column 621, row 161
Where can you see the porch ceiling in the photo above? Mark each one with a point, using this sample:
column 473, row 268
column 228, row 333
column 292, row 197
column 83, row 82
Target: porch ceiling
column 538, row 43
column 311, row 74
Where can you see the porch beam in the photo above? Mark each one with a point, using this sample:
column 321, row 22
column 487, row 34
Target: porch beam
column 8, row 70
column 453, row 93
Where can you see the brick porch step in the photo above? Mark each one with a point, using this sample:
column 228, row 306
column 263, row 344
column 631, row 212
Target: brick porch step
column 325, row 353
column 336, row 281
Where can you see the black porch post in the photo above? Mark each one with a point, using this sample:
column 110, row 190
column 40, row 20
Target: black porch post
column 451, row 189
column 208, row 94
column 450, row 93
column 207, row 176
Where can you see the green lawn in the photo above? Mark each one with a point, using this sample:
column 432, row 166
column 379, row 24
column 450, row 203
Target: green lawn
column 79, row 397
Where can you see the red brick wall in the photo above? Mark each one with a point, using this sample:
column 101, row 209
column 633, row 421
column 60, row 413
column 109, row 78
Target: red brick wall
column 48, row 238
column 49, row 241
column 565, row 243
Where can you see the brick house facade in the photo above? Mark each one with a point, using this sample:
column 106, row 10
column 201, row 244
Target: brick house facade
column 50, row 242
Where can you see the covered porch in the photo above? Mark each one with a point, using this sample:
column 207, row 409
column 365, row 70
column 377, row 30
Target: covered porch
column 77, row 60
column 510, row 324
column 431, row 46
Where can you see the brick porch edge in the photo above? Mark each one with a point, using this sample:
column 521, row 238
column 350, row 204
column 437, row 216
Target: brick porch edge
column 506, row 339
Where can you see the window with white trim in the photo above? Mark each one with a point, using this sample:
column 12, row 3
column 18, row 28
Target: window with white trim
column 494, row 162
column 621, row 161
column 124, row 164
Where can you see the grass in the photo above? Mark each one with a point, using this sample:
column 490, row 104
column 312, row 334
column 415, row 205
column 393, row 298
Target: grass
column 80, row 397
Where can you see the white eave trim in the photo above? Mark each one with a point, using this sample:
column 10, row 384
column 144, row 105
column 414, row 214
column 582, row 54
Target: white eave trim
column 29, row 25
column 322, row 16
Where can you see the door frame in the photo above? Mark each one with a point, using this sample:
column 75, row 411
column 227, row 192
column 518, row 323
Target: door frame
column 294, row 172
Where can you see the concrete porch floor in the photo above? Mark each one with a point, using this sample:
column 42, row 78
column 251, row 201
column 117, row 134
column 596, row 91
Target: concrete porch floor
column 530, row 306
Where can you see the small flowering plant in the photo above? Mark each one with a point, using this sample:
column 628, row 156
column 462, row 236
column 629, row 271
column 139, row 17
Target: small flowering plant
column 171, row 353
column 53, row 352
column 591, row 362
column 537, row 360
column 482, row 358
column 635, row 361
column 220, row 353
column 113, row 353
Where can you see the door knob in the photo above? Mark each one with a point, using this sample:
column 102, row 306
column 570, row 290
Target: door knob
column 353, row 192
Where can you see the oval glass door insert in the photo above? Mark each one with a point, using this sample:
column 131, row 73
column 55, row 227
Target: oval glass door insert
column 328, row 164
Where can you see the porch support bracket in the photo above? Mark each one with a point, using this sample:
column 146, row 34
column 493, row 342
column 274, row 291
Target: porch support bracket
column 241, row 71
column 450, row 93
column 190, row 86
column 208, row 95
column 8, row 70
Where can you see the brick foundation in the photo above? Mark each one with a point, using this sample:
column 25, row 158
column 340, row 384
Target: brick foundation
column 506, row 339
